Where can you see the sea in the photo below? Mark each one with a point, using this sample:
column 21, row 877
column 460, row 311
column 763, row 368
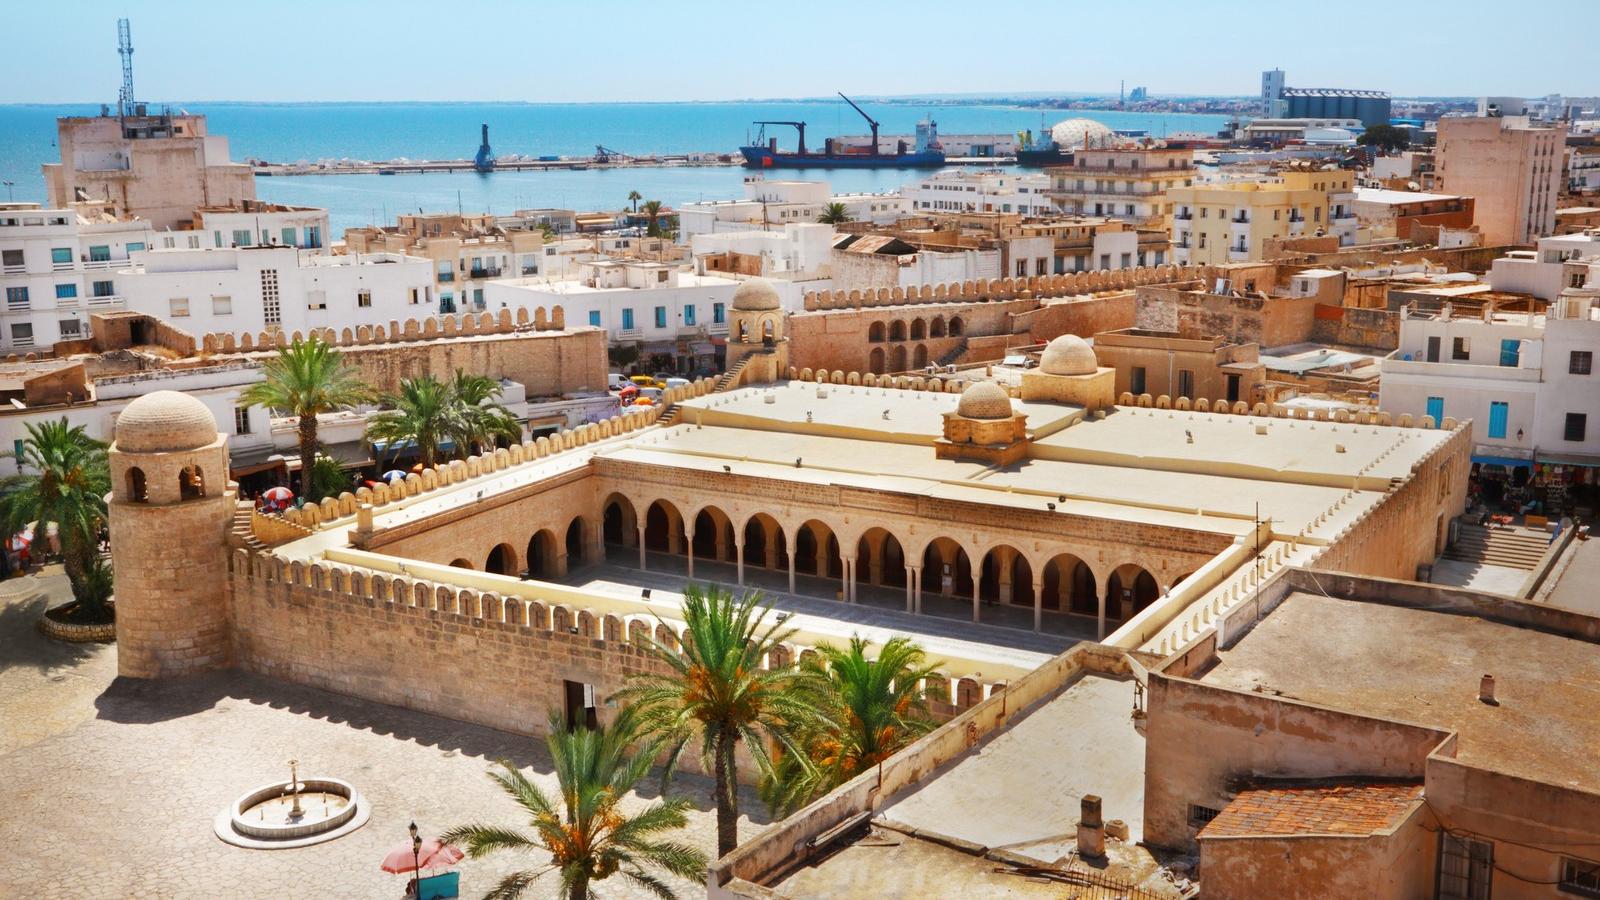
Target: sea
column 318, row 132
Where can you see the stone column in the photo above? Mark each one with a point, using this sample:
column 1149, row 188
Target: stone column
column 1004, row 561
column 977, row 593
column 738, row 551
column 848, row 577
column 641, row 548
column 1100, row 630
column 1038, row 602
column 688, row 548
column 913, row 596
column 789, row 541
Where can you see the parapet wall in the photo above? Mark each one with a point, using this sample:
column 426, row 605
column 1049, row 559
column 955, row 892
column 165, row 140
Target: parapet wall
column 988, row 289
column 505, row 322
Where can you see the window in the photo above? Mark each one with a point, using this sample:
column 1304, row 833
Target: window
column 364, row 299
column 1461, row 348
column 1497, row 419
column 1466, row 868
column 447, row 302
column 66, row 292
column 271, row 312
column 135, row 246
column 688, row 314
column 241, row 237
column 102, row 289
column 1581, row 877
column 417, row 296
column 316, row 299
column 1200, row 815
column 22, row 334
column 1577, row 424
column 1510, row 352
column 1136, row 380
column 594, row 318
column 178, row 307
column 221, row 306
column 241, row 420
column 1186, row 383
column 58, row 256
column 216, row 238
column 661, row 317
column 16, row 297
column 1127, row 258
column 288, row 241
column 1581, row 362
column 71, row 328
column 12, row 259
column 1435, row 409
column 627, row 319
column 1105, row 261
column 718, row 314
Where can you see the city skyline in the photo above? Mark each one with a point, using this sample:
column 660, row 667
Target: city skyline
column 715, row 54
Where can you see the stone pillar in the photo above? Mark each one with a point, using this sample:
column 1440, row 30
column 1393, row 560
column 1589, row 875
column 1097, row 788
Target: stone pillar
column 688, row 548
column 977, row 592
column 911, row 587
column 642, row 565
column 1100, row 628
column 1038, row 602
column 738, row 551
column 789, row 540
column 1091, row 828
column 848, row 577
column 1004, row 562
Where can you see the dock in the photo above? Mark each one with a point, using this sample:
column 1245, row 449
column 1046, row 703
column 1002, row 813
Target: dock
column 516, row 164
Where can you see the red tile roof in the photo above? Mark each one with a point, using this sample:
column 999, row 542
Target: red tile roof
column 1313, row 809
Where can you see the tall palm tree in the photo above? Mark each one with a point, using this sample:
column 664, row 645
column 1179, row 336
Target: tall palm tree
column 418, row 413
column 834, row 214
column 634, row 197
column 480, row 419
column 585, row 832
column 67, row 485
column 878, row 708
column 717, row 691
column 652, row 211
column 307, row 378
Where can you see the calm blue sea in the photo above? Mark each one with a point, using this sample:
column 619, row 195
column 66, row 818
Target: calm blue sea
column 383, row 131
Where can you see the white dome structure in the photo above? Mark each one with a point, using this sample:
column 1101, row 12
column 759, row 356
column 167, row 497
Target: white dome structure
column 1072, row 134
column 165, row 422
column 984, row 400
column 756, row 295
column 1068, row 355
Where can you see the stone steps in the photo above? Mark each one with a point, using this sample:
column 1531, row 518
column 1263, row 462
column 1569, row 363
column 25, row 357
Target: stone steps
column 1497, row 547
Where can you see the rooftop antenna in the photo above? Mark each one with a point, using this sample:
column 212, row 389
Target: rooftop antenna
column 125, row 50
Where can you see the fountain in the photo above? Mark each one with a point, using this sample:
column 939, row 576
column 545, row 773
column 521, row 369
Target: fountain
column 293, row 813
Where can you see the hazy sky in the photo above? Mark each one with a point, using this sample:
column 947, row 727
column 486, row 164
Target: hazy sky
column 586, row 50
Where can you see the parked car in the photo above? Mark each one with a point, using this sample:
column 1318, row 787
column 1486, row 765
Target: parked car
column 616, row 381
column 677, row 382
column 645, row 381
column 654, row 393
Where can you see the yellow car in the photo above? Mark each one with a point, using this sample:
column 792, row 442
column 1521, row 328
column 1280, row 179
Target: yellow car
column 647, row 381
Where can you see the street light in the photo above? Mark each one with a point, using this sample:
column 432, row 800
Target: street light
column 416, row 860
column 10, row 193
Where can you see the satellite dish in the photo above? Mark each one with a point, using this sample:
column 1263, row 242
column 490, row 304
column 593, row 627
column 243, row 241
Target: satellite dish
column 1413, row 186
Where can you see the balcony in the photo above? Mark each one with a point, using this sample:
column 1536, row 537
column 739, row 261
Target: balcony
column 65, row 266
column 1183, row 216
column 97, row 264
column 1240, row 220
column 487, row 272
column 104, row 301
column 446, row 277
column 630, row 334
column 717, row 328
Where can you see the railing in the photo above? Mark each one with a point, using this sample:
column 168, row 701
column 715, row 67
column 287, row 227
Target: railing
column 630, row 334
column 15, row 270
column 1240, row 220
column 65, row 267
column 100, row 263
column 1183, row 216
column 486, row 273
column 21, row 341
column 106, row 300
column 447, row 277
column 717, row 328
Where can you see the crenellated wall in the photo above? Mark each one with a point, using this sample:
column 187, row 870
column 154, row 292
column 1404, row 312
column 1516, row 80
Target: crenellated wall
column 987, row 289
column 427, row 328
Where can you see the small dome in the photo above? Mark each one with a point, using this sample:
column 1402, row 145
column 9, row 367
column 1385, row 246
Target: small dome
column 756, row 295
column 984, row 400
column 164, row 422
column 1075, row 133
column 1068, row 355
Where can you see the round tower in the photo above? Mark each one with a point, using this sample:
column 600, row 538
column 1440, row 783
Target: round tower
column 756, row 331
column 169, row 512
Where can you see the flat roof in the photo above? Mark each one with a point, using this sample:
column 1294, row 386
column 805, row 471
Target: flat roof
column 1382, row 195
column 1421, row 666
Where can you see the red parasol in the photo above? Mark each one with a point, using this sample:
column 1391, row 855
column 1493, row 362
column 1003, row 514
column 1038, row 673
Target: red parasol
column 434, row 855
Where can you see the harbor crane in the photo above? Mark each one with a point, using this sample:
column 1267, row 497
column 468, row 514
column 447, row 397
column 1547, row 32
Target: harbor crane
column 871, row 122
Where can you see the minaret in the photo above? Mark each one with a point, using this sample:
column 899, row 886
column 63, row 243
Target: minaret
column 756, row 329
column 169, row 512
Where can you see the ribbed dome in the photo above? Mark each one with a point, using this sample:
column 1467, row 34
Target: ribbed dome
column 756, row 295
column 984, row 400
column 1073, row 133
column 164, row 422
column 1068, row 355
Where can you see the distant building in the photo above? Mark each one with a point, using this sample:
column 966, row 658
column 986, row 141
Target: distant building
column 1272, row 86
column 1128, row 183
column 254, row 223
column 1138, row 95
column 773, row 204
column 1279, row 101
column 56, row 268
column 1232, row 221
column 1510, row 167
column 1557, row 263
column 1164, row 362
column 997, row 191
column 1397, row 213
column 466, row 250
column 160, row 168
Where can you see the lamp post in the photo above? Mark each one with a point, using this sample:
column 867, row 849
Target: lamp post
column 10, row 190
column 416, row 860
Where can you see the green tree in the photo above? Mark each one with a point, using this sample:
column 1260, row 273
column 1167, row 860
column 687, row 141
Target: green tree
column 428, row 412
column 1384, row 137
column 307, row 378
column 328, row 479
column 717, row 691
column 652, row 211
column 876, row 708
column 634, row 197
column 834, row 214
column 479, row 419
column 584, row 830
column 67, row 485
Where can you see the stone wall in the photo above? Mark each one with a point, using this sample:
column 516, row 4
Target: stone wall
column 396, row 331
column 1192, row 311
column 1352, row 327
column 987, row 289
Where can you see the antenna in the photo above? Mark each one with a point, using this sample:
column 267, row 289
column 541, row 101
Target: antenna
column 125, row 50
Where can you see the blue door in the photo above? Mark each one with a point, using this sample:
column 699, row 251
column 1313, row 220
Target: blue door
column 1510, row 352
column 1497, row 419
column 1436, row 409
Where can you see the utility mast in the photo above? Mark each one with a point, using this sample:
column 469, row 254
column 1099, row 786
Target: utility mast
column 125, row 50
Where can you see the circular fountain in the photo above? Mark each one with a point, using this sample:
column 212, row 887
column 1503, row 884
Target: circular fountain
column 293, row 813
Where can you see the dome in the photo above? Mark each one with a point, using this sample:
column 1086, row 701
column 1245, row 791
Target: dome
column 984, row 400
column 163, row 422
column 756, row 295
column 1073, row 133
column 1068, row 355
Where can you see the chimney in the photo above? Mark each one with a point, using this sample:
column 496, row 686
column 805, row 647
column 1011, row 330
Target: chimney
column 1091, row 828
column 1486, row 690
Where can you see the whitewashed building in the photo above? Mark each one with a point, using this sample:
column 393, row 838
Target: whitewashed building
column 57, row 266
column 798, row 251
column 993, row 191
column 1548, row 270
column 773, row 204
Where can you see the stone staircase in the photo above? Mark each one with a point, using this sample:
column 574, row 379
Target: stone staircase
column 956, row 352
column 241, row 533
column 730, row 378
column 1506, row 547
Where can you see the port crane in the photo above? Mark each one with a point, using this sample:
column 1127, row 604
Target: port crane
column 604, row 155
column 871, row 122
column 761, row 137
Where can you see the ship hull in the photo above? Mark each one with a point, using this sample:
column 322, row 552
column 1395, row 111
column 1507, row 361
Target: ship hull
column 763, row 158
column 1038, row 158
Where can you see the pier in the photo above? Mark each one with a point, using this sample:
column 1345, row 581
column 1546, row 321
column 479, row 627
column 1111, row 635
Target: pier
column 561, row 164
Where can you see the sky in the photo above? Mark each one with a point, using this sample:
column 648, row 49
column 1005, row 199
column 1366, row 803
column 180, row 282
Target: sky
column 620, row 50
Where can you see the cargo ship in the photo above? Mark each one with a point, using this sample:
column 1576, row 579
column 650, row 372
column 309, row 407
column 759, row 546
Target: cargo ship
column 1038, row 154
column 763, row 153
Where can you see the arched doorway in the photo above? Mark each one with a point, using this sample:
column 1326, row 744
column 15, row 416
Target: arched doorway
column 575, row 551
column 663, row 528
column 897, row 358
column 936, row 327
column 502, row 560
column 1069, row 586
column 460, row 564
column 875, row 333
column 1006, row 577
column 713, row 535
column 956, row 326
column 919, row 330
column 875, row 361
column 919, row 356
column 619, row 526
column 764, row 544
column 542, row 555
column 1131, row 590
column 946, row 570
column 880, row 560
column 816, row 551
column 897, row 330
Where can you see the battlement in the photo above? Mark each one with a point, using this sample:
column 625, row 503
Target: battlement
column 997, row 289
column 426, row 329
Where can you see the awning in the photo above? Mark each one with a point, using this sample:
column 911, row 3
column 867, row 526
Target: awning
column 1507, row 461
column 350, row 455
column 1569, row 459
column 383, row 448
column 255, row 461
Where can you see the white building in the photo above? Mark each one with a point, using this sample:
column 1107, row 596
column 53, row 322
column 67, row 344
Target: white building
column 1583, row 170
column 798, row 251
column 769, row 204
column 258, row 288
column 1548, row 270
column 1526, row 381
column 993, row 190
column 56, row 266
column 254, row 224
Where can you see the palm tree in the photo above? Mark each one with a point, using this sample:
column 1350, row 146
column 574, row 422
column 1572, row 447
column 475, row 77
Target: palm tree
column 68, row 486
column 418, row 413
column 716, row 690
column 652, row 210
column 634, row 197
column 587, row 835
column 878, row 709
column 834, row 214
column 307, row 378
column 480, row 420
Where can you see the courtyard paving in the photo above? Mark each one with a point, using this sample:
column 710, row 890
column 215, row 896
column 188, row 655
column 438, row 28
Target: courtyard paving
column 110, row 784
